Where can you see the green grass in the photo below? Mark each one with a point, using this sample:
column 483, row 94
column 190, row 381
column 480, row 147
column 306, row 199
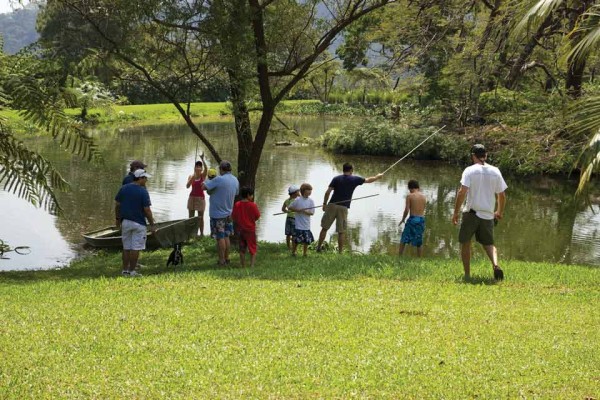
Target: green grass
column 327, row 326
column 154, row 113
column 144, row 114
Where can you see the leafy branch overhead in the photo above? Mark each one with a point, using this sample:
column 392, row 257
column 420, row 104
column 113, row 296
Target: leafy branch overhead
column 29, row 84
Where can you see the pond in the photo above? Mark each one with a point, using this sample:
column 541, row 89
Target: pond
column 542, row 222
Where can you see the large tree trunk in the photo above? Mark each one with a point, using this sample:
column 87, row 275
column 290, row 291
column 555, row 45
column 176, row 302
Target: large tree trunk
column 516, row 68
column 262, row 132
column 243, row 131
column 574, row 78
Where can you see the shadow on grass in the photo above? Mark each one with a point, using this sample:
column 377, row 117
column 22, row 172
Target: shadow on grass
column 274, row 262
column 477, row 280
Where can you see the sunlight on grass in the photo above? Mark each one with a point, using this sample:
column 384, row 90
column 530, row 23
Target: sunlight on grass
column 326, row 326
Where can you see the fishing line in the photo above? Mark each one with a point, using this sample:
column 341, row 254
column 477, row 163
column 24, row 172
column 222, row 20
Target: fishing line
column 335, row 202
column 416, row 147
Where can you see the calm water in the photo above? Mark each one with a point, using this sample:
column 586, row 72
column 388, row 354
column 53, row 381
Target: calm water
column 541, row 223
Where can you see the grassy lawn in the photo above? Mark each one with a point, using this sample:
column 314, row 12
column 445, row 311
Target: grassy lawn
column 144, row 114
column 327, row 326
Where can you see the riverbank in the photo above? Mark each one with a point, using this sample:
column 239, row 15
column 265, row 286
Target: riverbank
column 325, row 326
column 516, row 151
column 524, row 148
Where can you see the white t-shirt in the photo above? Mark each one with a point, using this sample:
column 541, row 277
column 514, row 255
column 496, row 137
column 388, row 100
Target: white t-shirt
column 303, row 220
column 483, row 181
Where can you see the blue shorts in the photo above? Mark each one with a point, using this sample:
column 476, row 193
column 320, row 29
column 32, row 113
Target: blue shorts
column 290, row 226
column 301, row 236
column 221, row 228
column 413, row 231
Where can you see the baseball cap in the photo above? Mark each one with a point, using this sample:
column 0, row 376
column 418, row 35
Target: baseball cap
column 140, row 173
column 478, row 150
column 225, row 165
column 137, row 164
column 293, row 189
column 211, row 173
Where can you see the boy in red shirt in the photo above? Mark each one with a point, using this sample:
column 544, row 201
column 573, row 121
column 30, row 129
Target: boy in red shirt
column 245, row 214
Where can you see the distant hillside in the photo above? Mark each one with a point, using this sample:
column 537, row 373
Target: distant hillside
column 18, row 29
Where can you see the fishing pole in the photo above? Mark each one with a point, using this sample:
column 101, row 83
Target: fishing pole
column 335, row 202
column 416, row 147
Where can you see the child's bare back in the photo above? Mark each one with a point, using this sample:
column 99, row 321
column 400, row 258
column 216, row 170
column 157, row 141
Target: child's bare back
column 416, row 203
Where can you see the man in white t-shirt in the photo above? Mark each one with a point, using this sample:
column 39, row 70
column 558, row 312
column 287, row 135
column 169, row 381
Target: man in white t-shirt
column 481, row 184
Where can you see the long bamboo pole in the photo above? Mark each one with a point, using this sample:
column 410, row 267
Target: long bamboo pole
column 335, row 202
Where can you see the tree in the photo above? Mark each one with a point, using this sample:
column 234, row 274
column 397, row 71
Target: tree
column 583, row 38
column 264, row 49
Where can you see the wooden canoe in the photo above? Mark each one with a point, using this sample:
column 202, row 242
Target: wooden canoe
column 167, row 234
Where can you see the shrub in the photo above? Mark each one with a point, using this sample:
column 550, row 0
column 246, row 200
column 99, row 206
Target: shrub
column 377, row 136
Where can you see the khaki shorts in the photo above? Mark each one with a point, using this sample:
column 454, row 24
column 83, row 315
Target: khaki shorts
column 337, row 213
column 196, row 204
column 483, row 229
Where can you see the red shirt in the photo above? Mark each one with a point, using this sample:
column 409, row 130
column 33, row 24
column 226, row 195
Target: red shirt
column 245, row 214
column 197, row 188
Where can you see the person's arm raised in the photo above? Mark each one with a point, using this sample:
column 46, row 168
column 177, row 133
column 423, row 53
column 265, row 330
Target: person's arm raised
column 373, row 178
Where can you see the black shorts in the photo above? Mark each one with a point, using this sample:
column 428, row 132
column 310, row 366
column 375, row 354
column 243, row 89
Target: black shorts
column 471, row 224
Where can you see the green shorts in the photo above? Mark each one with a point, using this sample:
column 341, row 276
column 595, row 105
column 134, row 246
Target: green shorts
column 483, row 229
column 337, row 213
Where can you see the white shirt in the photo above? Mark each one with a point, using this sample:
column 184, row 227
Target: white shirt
column 303, row 220
column 484, row 182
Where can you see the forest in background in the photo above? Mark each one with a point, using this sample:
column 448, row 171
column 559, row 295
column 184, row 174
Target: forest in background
column 18, row 29
column 519, row 76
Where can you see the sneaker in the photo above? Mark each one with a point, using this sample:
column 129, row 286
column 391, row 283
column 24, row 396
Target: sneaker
column 498, row 274
column 125, row 272
column 319, row 249
column 134, row 274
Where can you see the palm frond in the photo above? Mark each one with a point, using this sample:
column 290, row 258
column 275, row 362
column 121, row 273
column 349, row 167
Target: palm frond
column 589, row 162
column 27, row 174
column 586, row 119
column 588, row 29
column 30, row 85
column 536, row 14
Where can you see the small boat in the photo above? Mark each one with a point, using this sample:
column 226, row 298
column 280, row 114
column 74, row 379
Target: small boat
column 166, row 235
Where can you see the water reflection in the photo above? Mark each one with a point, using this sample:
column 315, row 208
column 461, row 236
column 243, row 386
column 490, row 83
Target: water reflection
column 542, row 221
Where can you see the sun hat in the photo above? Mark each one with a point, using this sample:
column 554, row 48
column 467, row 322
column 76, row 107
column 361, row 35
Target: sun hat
column 140, row 173
column 293, row 189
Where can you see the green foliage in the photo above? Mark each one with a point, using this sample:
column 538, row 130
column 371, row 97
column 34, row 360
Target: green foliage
column 377, row 136
column 28, row 85
column 317, row 108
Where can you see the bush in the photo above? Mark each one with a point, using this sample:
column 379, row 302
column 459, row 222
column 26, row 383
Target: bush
column 377, row 136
